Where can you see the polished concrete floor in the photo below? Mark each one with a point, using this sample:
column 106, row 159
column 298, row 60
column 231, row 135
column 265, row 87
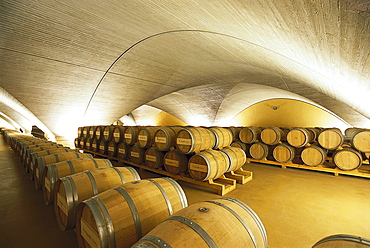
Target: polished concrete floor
column 297, row 207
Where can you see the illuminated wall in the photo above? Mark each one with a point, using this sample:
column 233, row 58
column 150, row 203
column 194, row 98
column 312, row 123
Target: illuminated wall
column 165, row 119
column 287, row 113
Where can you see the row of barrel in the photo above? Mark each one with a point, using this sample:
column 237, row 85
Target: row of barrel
column 165, row 136
column 200, row 153
column 113, row 207
column 309, row 146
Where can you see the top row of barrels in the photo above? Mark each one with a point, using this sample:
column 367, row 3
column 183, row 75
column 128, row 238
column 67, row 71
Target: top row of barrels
column 162, row 136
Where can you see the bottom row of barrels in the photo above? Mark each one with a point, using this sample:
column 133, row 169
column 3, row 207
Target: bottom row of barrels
column 345, row 158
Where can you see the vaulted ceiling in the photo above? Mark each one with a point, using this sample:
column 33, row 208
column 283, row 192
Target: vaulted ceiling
column 69, row 63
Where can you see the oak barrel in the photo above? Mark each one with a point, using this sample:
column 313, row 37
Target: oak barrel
column 208, row 164
column 283, row 153
column 112, row 148
column 299, row 137
column 237, row 157
column 145, row 137
column 154, row 158
column 359, row 138
column 103, row 147
column 98, row 134
column 223, row 137
column 28, row 159
column 165, row 138
column 235, row 132
column 273, row 135
column 259, row 150
column 108, row 132
column 123, row 151
column 119, row 217
column 224, row 222
column 331, row 138
column 42, row 162
column 342, row 240
column 73, row 189
column 240, row 144
column 35, row 155
column 118, row 133
column 137, row 154
column 347, row 159
column 130, row 135
column 175, row 162
column 313, row 155
column 250, row 134
column 194, row 139
column 53, row 172
column 94, row 144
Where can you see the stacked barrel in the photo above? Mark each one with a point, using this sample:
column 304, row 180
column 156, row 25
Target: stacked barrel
column 113, row 207
column 308, row 146
column 201, row 153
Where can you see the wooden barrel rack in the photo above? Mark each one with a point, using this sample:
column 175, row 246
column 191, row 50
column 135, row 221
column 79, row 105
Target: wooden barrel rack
column 222, row 185
column 327, row 166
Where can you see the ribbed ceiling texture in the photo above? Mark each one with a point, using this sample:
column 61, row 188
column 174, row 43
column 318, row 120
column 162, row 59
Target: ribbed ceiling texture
column 70, row 63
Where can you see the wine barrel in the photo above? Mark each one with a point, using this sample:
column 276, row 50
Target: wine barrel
column 145, row 137
column 23, row 152
column 42, row 153
column 88, row 144
column 347, row 159
column 76, row 142
column 250, row 134
column 103, row 147
column 342, row 240
column 123, row 151
column 28, row 157
column 175, row 162
column 331, row 138
column 53, row 172
column 154, row 158
column 42, row 162
column 112, row 148
column 359, row 138
column 299, row 137
column 283, row 153
column 73, row 189
column 91, row 133
column 237, row 157
column 94, row 144
column 233, row 224
column 118, row 133
column 79, row 132
column 223, row 137
column 137, row 154
column 119, row 217
column 98, row 134
column 130, row 135
column 313, row 155
column 108, row 133
column 240, row 144
column 259, row 150
column 28, row 149
column 194, row 139
column 83, row 143
column 85, row 131
column 273, row 135
column 315, row 131
column 208, row 164
column 165, row 138
column 234, row 132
